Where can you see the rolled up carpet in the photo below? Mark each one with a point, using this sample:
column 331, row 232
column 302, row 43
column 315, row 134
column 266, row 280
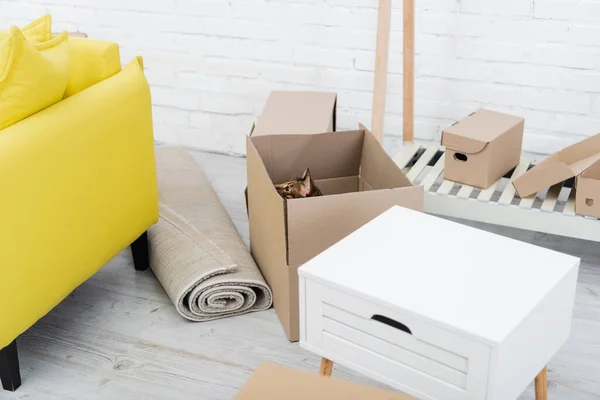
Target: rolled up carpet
column 196, row 252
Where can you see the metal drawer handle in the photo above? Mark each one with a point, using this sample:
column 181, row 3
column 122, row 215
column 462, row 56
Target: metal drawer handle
column 392, row 323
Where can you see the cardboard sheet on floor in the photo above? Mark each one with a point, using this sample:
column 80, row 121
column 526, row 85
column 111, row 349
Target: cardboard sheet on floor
column 275, row 382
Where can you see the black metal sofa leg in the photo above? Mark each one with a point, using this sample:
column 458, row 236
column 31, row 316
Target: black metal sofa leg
column 139, row 250
column 9, row 367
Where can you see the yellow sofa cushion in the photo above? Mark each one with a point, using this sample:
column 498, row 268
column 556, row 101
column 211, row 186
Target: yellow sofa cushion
column 92, row 61
column 32, row 77
column 38, row 31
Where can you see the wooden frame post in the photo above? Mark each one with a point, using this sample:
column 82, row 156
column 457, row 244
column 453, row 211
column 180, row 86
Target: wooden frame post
column 382, row 53
column 408, row 53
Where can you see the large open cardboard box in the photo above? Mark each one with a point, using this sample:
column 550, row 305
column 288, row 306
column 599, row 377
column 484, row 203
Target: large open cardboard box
column 359, row 181
column 581, row 159
column 276, row 382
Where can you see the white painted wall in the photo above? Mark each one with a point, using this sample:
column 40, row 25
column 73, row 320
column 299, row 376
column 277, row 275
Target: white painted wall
column 212, row 63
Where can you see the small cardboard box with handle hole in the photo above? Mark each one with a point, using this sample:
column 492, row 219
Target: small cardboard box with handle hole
column 482, row 147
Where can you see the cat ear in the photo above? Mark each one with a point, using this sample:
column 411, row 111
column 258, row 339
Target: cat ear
column 306, row 174
column 306, row 183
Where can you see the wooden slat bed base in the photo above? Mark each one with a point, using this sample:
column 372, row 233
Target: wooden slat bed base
column 423, row 161
column 509, row 191
column 570, row 206
column 499, row 205
column 487, row 194
column 445, row 188
column 434, row 173
column 527, row 202
column 552, row 197
column 406, row 155
column 465, row 192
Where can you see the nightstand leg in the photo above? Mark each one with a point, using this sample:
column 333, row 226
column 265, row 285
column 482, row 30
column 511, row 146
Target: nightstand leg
column 541, row 385
column 326, row 367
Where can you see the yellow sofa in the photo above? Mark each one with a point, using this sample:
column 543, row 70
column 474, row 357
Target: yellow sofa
column 77, row 186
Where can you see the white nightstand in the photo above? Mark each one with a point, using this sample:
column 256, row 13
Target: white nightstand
column 437, row 309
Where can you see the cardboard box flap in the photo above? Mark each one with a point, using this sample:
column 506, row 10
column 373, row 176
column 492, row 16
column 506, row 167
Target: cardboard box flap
column 565, row 164
column 288, row 112
column 580, row 166
column 593, row 172
column 462, row 144
column 275, row 382
column 316, row 223
column 267, row 226
column 584, row 149
column 328, row 155
column 379, row 170
column 476, row 130
column 348, row 184
column 542, row 176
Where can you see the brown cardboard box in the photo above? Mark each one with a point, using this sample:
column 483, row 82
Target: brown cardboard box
column 359, row 181
column 565, row 164
column 294, row 112
column 275, row 382
column 482, row 147
column 297, row 112
column 587, row 200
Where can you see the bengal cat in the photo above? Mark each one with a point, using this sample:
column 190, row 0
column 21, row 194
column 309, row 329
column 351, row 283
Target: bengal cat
column 298, row 187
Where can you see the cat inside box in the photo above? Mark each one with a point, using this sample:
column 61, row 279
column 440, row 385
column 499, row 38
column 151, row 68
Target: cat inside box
column 305, row 186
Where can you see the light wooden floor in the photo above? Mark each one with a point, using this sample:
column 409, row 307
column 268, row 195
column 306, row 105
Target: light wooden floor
column 118, row 336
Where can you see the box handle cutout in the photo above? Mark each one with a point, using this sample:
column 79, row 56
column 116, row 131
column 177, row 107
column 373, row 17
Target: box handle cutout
column 460, row 157
column 392, row 323
column 589, row 202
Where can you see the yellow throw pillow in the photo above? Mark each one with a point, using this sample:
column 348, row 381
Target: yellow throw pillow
column 38, row 31
column 32, row 77
column 92, row 61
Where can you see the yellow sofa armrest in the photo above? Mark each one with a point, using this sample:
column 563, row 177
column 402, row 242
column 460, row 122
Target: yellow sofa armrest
column 92, row 61
column 78, row 185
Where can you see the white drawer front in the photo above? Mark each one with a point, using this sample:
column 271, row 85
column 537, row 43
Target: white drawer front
column 412, row 355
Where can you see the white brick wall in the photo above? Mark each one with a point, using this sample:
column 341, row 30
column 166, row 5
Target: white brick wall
column 212, row 63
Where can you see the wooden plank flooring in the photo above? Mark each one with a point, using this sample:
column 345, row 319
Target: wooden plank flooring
column 118, row 336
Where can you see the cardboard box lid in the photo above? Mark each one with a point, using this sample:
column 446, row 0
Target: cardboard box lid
column 565, row 164
column 592, row 172
column 275, row 382
column 288, row 112
column 471, row 134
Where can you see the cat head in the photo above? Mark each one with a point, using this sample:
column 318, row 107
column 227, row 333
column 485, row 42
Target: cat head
column 296, row 188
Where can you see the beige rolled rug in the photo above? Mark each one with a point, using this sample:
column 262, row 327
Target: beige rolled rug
column 196, row 252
